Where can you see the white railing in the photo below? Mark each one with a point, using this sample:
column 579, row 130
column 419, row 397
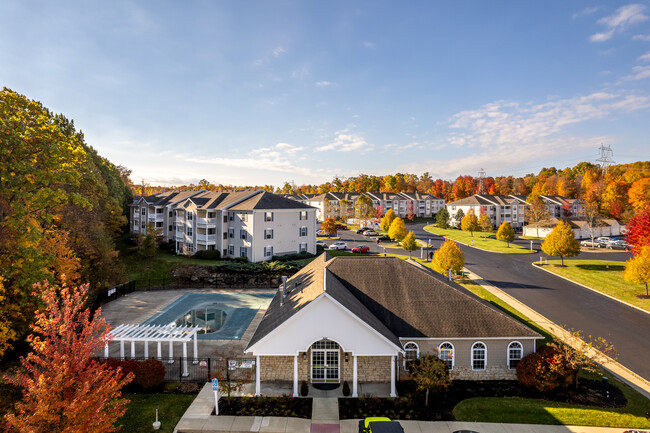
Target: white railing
column 206, row 221
column 206, row 238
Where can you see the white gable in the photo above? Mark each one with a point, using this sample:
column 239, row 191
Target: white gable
column 324, row 318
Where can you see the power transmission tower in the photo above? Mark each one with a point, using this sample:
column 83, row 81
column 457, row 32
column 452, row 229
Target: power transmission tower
column 606, row 157
column 481, row 181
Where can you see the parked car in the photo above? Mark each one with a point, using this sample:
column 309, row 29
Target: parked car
column 321, row 233
column 382, row 238
column 379, row 424
column 361, row 249
column 321, row 243
column 594, row 244
column 370, row 232
column 618, row 245
column 339, row 246
column 603, row 239
column 363, row 229
column 341, row 227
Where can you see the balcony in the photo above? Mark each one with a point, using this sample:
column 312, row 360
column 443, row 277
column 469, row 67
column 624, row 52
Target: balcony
column 206, row 239
column 157, row 217
column 179, row 236
column 179, row 223
column 202, row 222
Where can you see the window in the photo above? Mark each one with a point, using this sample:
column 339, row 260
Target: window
column 243, row 252
column 225, row 218
column 411, row 353
column 243, row 234
column 303, row 231
column 478, row 356
column 303, row 215
column 231, row 233
column 243, row 217
column 225, row 235
column 268, row 251
column 231, row 250
column 170, row 214
column 159, row 225
column 303, row 247
column 268, row 216
column 143, row 211
column 268, row 234
column 160, row 211
column 171, row 228
column 144, row 224
column 446, row 353
column 190, row 215
column 515, row 353
column 189, row 231
column 231, row 216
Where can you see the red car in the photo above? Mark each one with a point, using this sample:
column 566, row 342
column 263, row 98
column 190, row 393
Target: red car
column 360, row 249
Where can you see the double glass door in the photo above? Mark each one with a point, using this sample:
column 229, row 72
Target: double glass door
column 325, row 361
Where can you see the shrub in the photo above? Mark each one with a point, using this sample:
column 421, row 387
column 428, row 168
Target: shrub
column 207, row 255
column 346, row 389
column 304, row 388
column 295, row 256
column 149, row 373
column 240, row 259
column 544, row 370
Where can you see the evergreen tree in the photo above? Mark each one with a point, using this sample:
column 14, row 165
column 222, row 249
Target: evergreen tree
column 442, row 218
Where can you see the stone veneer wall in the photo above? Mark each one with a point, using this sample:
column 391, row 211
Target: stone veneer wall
column 280, row 368
column 373, row 368
column 490, row 373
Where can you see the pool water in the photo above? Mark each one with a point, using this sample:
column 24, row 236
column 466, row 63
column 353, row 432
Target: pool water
column 222, row 316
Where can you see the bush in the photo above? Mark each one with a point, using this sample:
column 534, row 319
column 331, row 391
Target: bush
column 320, row 249
column 544, row 370
column 207, row 255
column 149, row 373
column 346, row 389
column 240, row 259
column 304, row 388
column 295, row 256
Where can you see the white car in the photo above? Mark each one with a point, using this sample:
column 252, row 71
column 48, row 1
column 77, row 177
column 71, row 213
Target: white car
column 321, row 243
column 339, row 246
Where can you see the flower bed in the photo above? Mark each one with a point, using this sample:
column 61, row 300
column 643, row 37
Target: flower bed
column 411, row 403
column 266, row 406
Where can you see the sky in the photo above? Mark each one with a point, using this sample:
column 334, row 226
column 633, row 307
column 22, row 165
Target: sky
column 263, row 92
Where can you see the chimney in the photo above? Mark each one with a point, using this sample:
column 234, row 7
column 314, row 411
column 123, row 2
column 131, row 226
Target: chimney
column 284, row 290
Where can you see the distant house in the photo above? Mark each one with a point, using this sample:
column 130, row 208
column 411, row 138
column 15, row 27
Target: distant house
column 603, row 227
column 254, row 224
column 362, row 319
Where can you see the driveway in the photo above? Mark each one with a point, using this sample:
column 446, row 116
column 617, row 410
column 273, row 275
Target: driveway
column 563, row 302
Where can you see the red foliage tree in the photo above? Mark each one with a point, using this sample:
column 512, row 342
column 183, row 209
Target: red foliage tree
column 410, row 215
column 65, row 389
column 638, row 231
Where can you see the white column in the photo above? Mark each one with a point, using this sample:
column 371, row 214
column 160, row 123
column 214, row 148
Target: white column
column 295, row 375
column 258, row 367
column 185, row 372
column 132, row 349
column 159, row 350
column 392, row 377
column 106, row 350
column 121, row 349
column 354, row 377
column 146, row 350
column 196, row 350
column 171, row 352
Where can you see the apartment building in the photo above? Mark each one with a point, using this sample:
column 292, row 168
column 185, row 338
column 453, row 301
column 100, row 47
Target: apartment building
column 253, row 224
column 500, row 208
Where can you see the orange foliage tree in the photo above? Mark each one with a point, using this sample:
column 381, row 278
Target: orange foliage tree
column 65, row 389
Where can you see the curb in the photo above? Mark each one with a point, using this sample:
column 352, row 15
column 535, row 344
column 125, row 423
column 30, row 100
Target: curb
column 624, row 374
column 483, row 249
column 590, row 288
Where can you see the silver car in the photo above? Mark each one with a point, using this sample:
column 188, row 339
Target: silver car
column 339, row 246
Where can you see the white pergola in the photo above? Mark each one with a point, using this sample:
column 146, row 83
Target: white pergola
column 158, row 334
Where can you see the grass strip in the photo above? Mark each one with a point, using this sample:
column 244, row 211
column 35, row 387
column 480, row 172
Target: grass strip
column 141, row 412
column 479, row 240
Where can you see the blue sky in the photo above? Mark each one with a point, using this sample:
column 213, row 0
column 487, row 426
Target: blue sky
column 264, row 92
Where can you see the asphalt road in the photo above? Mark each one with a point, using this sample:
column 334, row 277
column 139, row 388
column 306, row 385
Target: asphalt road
column 561, row 301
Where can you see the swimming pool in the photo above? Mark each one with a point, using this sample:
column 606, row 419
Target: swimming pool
column 222, row 316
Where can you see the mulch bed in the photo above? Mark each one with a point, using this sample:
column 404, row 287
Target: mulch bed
column 411, row 403
column 266, row 406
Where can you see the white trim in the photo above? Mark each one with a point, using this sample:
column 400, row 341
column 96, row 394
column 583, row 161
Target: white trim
column 468, row 338
column 472, row 357
column 521, row 353
column 417, row 352
column 453, row 353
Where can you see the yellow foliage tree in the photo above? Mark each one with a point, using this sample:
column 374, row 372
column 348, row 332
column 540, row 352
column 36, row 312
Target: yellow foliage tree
column 329, row 227
column 397, row 229
column 637, row 269
column 449, row 256
column 485, row 222
column 388, row 219
column 506, row 233
column 469, row 223
column 639, row 194
column 409, row 243
column 561, row 242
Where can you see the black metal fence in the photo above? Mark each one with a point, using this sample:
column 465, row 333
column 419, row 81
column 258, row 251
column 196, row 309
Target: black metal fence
column 201, row 370
column 114, row 293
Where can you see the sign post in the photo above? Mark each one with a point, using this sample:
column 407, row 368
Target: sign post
column 215, row 389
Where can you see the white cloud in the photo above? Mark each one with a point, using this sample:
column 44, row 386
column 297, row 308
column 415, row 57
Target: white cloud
column 278, row 51
column 645, row 57
column 323, row 83
column 620, row 20
column 641, row 38
column 585, row 12
column 346, row 141
column 639, row 73
column 369, row 45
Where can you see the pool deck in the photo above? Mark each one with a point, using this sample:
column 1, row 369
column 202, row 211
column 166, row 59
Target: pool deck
column 137, row 307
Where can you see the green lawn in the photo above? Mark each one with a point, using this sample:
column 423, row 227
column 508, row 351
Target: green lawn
column 479, row 240
column 141, row 412
column 533, row 411
column 602, row 275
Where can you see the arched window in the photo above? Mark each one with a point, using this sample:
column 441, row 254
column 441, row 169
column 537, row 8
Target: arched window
column 411, row 353
column 446, row 353
column 515, row 353
column 479, row 356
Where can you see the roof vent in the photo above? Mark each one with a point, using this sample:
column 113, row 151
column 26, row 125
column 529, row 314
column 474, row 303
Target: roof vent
column 284, row 290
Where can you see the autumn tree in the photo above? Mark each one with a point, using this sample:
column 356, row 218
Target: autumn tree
column 470, row 223
column 485, row 223
column 639, row 194
column 410, row 215
column 442, row 218
column 449, row 256
column 363, row 209
column 536, row 211
column 397, row 230
column 387, row 220
column 430, row 373
column 328, row 209
column 637, row 269
column 345, row 209
column 65, row 389
column 638, row 231
column 329, row 227
column 148, row 242
column 561, row 242
column 409, row 243
column 506, row 233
